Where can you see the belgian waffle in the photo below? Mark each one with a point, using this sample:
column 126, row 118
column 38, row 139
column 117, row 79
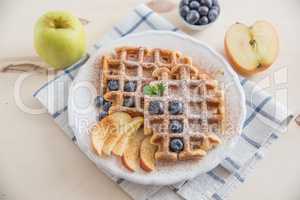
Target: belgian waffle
column 202, row 116
column 135, row 64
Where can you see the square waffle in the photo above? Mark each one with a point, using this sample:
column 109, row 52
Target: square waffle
column 201, row 117
column 135, row 66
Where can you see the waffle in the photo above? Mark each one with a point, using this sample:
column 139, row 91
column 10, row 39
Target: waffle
column 202, row 116
column 135, row 64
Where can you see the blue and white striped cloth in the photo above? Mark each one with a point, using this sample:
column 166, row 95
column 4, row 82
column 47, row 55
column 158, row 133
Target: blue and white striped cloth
column 265, row 122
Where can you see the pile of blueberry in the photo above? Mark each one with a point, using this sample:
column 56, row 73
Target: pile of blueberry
column 100, row 102
column 199, row 12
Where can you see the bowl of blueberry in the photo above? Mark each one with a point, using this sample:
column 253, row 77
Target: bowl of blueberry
column 199, row 14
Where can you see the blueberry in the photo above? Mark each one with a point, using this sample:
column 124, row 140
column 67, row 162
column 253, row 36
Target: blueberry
column 217, row 8
column 99, row 101
column 192, row 17
column 212, row 15
column 215, row 3
column 176, row 126
column 203, row 20
column 176, row 107
column 184, row 11
column 156, row 107
column 176, row 145
column 113, row 85
column 129, row 102
column 130, row 86
column 184, row 3
column 203, row 10
column 102, row 114
column 207, row 3
column 194, row 5
column 106, row 106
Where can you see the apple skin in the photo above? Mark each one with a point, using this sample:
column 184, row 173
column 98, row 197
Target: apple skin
column 59, row 39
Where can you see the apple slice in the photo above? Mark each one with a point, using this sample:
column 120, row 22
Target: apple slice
column 251, row 49
column 133, row 126
column 98, row 136
column 131, row 157
column 147, row 157
column 116, row 124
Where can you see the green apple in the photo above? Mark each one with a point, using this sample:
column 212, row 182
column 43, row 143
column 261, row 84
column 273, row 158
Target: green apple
column 59, row 39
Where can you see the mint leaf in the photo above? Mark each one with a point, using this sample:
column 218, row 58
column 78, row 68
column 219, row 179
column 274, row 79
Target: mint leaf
column 154, row 90
column 160, row 88
column 149, row 90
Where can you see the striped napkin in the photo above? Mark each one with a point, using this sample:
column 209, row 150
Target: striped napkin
column 265, row 122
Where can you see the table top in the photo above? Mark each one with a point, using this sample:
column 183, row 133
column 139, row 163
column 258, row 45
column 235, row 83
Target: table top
column 36, row 158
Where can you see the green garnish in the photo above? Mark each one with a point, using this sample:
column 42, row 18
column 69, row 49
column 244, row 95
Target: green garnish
column 154, row 90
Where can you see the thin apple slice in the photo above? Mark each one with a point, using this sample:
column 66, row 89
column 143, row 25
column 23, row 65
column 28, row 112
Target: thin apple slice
column 133, row 126
column 131, row 157
column 147, row 152
column 116, row 123
column 251, row 49
column 98, row 136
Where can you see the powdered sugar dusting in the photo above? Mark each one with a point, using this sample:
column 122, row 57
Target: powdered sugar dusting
column 203, row 57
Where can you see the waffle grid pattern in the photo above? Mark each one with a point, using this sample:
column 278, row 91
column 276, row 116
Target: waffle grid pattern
column 134, row 64
column 199, row 128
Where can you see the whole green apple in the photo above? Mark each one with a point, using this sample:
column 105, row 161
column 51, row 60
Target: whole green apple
column 59, row 39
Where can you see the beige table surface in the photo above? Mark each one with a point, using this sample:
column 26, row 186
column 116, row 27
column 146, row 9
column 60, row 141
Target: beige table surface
column 37, row 161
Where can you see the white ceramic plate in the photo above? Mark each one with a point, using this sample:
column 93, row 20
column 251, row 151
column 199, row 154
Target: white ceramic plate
column 82, row 112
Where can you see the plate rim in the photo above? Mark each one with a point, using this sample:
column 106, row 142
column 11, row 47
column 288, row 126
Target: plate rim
column 169, row 181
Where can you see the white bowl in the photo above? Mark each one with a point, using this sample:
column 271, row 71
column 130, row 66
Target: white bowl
column 83, row 91
column 196, row 27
